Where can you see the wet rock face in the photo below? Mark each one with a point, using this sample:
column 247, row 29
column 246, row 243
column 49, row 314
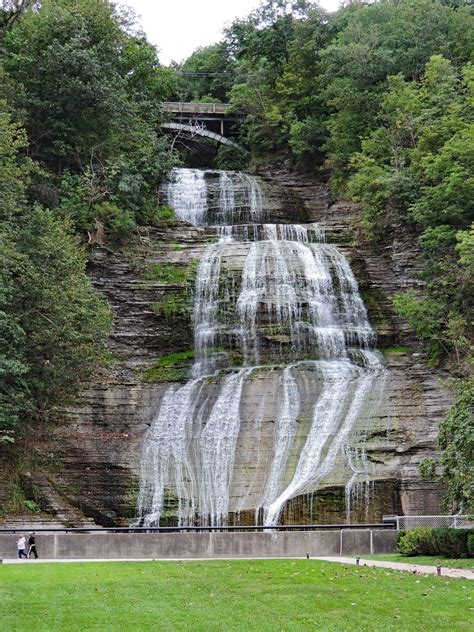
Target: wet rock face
column 224, row 197
column 95, row 447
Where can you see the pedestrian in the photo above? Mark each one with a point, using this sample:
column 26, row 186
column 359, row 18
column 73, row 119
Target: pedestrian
column 21, row 545
column 32, row 546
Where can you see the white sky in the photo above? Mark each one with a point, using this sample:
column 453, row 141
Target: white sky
column 178, row 27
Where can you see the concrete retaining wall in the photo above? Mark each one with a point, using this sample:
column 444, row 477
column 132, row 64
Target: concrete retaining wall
column 206, row 545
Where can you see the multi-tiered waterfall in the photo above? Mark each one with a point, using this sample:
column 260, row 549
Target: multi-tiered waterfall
column 285, row 374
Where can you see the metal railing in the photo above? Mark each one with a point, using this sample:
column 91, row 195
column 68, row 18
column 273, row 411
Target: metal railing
column 180, row 107
column 290, row 527
column 458, row 521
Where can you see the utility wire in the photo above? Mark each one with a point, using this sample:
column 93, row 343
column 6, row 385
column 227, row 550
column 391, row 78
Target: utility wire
column 210, row 74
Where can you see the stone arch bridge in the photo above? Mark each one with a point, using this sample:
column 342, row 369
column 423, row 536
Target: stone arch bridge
column 210, row 120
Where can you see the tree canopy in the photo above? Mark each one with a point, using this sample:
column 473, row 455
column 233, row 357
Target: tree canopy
column 80, row 108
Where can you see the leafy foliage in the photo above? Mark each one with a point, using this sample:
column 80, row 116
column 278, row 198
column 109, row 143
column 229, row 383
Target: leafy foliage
column 176, row 304
column 53, row 324
column 456, row 440
column 206, row 75
column 64, row 320
column 171, row 368
column 416, row 167
column 15, row 400
column 164, row 214
column 80, row 154
column 452, row 543
column 88, row 90
column 170, row 274
column 415, row 542
column 232, row 157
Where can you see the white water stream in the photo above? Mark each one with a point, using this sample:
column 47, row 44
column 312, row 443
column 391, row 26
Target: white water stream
column 278, row 298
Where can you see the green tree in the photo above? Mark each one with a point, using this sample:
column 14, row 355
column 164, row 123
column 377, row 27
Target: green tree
column 53, row 325
column 261, row 46
column 15, row 396
column 379, row 40
column 15, row 167
column 208, row 74
column 89, row 94
column 14, row 176
column 11, row 11
column 66, row 58
column 65, row 321
column 298, row 92
column 456, row 440
column 417, row 168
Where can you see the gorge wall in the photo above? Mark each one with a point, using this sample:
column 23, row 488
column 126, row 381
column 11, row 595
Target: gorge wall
column 88, row 465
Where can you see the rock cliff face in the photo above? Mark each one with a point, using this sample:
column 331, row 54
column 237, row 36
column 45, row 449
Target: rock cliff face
column 93, row 469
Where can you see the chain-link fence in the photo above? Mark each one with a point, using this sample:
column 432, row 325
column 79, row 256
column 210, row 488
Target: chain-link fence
column 434, row 522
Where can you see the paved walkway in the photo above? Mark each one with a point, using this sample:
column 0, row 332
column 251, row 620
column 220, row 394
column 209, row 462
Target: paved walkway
column 457, row 573
column 421, row 569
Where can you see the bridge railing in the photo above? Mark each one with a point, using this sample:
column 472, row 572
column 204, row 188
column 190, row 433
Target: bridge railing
column 181, row 107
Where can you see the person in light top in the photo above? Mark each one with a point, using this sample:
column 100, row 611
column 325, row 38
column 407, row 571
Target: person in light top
column 21, row 545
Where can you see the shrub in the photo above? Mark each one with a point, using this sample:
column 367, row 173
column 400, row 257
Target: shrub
column 452, row 543
column 415, row 542
column 470, row 544
column 122, row 226
column 32, row 505
column 162, row 215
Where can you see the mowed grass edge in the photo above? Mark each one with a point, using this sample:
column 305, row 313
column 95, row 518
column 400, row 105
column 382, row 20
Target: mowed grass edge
column 425, row 560
column 229, row 596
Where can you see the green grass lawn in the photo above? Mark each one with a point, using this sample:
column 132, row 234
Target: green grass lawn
column 429, row 560
column 260, row 595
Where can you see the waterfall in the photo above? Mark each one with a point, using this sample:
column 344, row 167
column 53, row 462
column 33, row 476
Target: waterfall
column 285, row 428
column 212, row 197
column 188, row 207
column 345, row 388
column 217, row 443
column 283, row 304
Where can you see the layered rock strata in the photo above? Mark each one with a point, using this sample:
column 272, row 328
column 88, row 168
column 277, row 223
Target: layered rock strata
column 96, row 446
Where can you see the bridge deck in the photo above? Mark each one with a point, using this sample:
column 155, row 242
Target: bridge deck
column 181, row 107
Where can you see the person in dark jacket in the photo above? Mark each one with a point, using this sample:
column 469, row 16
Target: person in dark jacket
column 32, row 546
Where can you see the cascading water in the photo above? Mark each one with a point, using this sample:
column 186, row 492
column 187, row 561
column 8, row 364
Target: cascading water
column 214, row 197
column 284, row 305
